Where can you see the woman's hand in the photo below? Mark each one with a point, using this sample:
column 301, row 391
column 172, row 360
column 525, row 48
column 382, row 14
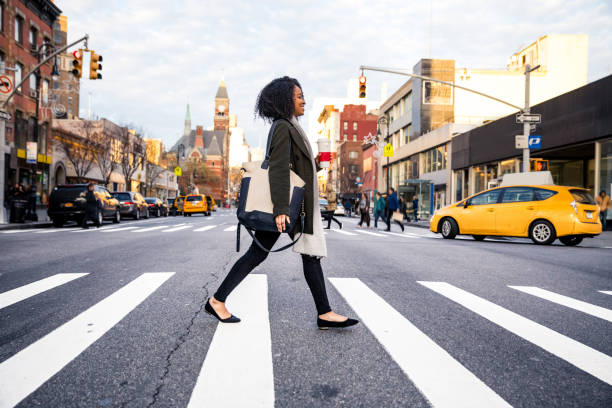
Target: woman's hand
column 280, row 222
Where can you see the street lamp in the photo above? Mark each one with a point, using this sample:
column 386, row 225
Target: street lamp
column 180, row 152
column 384, row 121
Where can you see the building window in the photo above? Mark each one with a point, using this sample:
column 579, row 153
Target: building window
column 45, row 91
column 353, row 155
column 345, row 125
column 354, row 125
column 352, row 168
column 345, row 137
column 19, row 29
column 32, row 81
column 406, row 132
column 70, row 100
column 408, row 103
column 18, row 73
column 2, row 17
column 70, row 111
column 33, row 37
column 354, row 137
column 56, row 85
column 55, row 97
column 70, row 87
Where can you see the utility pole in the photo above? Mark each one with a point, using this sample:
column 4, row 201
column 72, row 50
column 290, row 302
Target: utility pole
column 527, row 125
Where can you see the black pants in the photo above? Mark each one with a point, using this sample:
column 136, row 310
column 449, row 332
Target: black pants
column 91, row 213
column 329, row 217
column 365, row 217
column 255, row 255
column 390, row 218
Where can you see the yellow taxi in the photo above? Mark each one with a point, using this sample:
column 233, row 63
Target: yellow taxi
column 178, row 204
column 540, row 212
column 195, row 204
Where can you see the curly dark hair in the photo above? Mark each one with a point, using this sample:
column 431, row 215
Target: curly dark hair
column 275, row 101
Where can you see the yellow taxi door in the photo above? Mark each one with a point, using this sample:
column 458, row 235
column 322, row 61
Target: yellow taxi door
column 516, row 211
column 478, row 217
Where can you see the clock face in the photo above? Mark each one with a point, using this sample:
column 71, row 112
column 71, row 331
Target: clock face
column 221, row 108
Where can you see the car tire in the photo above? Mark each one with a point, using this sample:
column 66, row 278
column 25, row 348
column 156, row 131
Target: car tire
column 100, row 218
column 449, row 228
column 58, row 222
column 117, row 218
column 146, row 214
column 542, row 232
column 137, row 215
column 184, row 214
column 479, row 237
column 571, row 240
column 158, row 213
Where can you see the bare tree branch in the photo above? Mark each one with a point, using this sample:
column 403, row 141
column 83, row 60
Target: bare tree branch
column 78, row 151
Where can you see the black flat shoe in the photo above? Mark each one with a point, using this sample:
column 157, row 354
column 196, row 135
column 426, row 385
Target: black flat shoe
column 326, row 324
column 208, row 308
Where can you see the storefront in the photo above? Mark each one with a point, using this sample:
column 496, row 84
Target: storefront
column 576, row 133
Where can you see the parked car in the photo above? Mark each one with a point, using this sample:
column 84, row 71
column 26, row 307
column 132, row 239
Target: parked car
column 132, row 204
column 195, row 204
column 339, row 209
column 179, row 204
column 67, row 203
column 171, row 208
column 211, row 203
column 156, row 207
column 540, row 212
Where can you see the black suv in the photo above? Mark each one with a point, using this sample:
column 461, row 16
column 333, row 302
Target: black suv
column 67, row 203
column 156, row 207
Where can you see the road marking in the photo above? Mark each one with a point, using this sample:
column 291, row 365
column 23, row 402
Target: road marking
column 34, row 288
column 237, row 370
column 441, row 378
column 177, row 228
column 27, row 370
column 206, row 228
column 118, row 229
column 151, row 228
column 400, row 235
column 343, row 232
column 22, row 230
column 584, row 357
column 232, row 228
column 567, row 301
column 607, row 292
column 57, row 230
column 369, row 233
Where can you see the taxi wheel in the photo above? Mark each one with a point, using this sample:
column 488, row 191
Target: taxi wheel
column 449, row 228
column 542, row 232
column 184, row 214
column 479, row 237
column 571, row 240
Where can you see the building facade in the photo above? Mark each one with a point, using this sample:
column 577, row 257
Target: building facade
column 64, row 95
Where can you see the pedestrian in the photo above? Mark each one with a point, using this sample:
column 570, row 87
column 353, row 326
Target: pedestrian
column 364, row 210
column 603, row 202
column 379, row 209
column 91, row 208
column 347, row 206
column 282, row 101
column 415, row 208
column 393, row 206
column 403, row 209
column 332, row 205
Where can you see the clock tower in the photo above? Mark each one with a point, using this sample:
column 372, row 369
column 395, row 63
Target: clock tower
column 221, row 121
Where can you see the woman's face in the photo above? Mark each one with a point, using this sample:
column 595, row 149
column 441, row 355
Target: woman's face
column 298, row 101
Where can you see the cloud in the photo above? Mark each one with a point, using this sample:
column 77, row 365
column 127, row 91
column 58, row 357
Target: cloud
column 159, row 56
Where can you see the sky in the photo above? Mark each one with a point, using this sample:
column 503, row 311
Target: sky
column 160, row 55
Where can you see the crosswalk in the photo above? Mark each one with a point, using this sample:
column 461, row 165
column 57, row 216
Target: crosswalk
column 238, row 368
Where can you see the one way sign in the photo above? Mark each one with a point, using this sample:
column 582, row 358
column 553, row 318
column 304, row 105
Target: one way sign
column 535, row 141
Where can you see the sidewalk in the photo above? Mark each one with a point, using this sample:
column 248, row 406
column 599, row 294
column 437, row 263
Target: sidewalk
column 43, row 221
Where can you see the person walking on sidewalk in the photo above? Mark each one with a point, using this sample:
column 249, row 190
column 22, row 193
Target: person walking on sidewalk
column 364, row 210
column 603, row 201
column 379, row 209
column 393, row 206
column 282, row 101
column 91, row 209
column 415, row 208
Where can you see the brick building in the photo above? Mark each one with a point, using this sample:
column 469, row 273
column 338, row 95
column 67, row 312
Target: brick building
column 65, row 93
column 24, row 26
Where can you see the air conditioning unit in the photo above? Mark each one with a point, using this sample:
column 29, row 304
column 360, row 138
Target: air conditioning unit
column 32, row 93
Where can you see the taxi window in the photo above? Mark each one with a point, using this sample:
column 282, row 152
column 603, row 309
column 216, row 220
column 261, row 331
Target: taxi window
column 518, row 194
column 582, row 196
column 194, row 198
column 489, row 197
column 543, row 194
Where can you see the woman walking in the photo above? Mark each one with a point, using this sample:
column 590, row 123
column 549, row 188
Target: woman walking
column 364, row 210
column 379, row 209
column 282, row 101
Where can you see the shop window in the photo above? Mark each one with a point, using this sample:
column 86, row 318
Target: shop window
column 479, row 178
column 459, row 185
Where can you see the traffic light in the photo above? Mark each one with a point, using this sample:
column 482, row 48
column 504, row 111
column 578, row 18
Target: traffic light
column 362, row 87
column 95, row 66
column 77, row 63
column 539, row 165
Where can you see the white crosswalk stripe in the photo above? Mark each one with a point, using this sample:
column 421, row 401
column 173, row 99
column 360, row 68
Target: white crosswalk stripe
column 24, row 372
column 584, row 357
column 606, row 292
column 206, row 228
column 237, row 371
column 34, row 288
column 232, row 228
column 441, row 378
column 151, row 228
column 369, row 233
column 343, row 232
column 118, row 229
column 567, row 301
column 397, row 234
column 182, row 227
column 49, row 230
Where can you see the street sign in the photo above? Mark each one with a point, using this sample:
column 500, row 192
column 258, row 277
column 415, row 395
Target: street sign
column 528, row 117
column 388, row 150
column 5, row 115
column 178, row 171
column 535, row 141
column 6, row 85
column 520, row 142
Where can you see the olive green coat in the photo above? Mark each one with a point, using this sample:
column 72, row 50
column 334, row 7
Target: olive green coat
column 278, row 172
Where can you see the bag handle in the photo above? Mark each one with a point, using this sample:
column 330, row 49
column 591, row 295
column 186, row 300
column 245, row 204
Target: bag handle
column 266, row 163
column 302, row 215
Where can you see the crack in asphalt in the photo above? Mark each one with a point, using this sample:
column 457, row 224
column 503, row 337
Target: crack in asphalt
column 183, row 337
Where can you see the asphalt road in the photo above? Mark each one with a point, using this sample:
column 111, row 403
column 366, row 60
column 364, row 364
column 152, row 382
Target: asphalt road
column 114, row 317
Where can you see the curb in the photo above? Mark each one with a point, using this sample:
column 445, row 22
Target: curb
column 26, row 225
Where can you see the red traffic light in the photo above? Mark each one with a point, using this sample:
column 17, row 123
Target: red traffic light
column 362, row 87
column 362, row 79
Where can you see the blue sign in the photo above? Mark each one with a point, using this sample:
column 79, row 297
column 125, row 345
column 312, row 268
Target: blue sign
column 535, row 141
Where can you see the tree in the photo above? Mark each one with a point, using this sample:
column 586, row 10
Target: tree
column 103, row 153
column 152, row 170
column 131, row 154
column 79, row 151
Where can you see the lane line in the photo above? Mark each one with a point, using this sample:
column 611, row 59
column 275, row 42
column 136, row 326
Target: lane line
column 27, row 370
column 584, row 357
column 567, row 301
column 237, row 370
column 343, row 232
column 369, row 233
column 606, row 292
column 23, row 292
column 232, row 228
column 177, row 228
column 206, row 228
column 118, row 229
column 151, row 228
column 439, row 377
